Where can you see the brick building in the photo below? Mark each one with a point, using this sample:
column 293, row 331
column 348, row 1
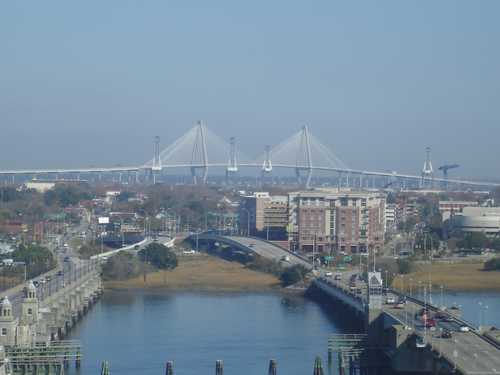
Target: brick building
column 343, row 221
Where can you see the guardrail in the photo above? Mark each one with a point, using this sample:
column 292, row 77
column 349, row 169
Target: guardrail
column 287, row 250
column 113, row 252
column 455, row 318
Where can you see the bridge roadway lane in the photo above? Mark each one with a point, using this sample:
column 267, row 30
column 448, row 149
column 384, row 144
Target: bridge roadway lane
column 470, row 353
column 269, row 250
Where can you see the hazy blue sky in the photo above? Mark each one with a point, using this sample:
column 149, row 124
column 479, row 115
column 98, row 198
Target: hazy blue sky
column 92, row 82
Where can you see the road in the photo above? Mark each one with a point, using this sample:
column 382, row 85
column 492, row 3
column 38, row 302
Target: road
column 468, row 350
column 471, row 353
column 269, row 251
column 68, row 267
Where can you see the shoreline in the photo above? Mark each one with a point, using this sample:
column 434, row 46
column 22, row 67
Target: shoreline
column 203, row 273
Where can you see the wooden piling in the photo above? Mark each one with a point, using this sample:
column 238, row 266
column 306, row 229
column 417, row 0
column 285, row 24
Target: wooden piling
column 169, row 370
column 272, row 367
column 219, row 367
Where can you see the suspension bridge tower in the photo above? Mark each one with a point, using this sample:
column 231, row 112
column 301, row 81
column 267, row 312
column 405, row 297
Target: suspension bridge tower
column 156, row 166
column 304, row 160
column 232, row 165
column 427, row 170
column 267, row 165
column 199, row 157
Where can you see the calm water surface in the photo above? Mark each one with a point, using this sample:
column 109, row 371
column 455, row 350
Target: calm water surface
column 138, row 331
column 477, row 308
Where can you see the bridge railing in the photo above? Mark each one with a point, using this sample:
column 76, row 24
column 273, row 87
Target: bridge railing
column 463, row 322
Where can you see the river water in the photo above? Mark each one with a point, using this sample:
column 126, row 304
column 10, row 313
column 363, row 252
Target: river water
column 480, row 308
column 137, row 332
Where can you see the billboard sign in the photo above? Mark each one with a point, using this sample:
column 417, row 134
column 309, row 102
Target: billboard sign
column 103, row 220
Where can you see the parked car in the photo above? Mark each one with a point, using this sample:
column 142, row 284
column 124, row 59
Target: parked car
column 328, row 274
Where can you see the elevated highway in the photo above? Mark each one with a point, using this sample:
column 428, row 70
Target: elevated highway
column 256, row 246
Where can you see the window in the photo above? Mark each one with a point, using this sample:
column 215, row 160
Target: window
column 4, row 331
column 30, row 311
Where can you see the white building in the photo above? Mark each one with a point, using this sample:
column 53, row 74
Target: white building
column 391, row 216
column 449, row 208
column 478, row 219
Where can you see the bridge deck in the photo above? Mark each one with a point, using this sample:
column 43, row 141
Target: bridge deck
column 469, row 351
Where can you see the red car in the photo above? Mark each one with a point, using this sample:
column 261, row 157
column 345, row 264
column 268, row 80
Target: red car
column 429, row 323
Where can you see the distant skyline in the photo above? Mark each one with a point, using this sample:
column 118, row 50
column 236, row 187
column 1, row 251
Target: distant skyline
column 92, row 83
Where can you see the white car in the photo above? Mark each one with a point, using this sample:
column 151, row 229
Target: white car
column 464, row 329
column 420, row 343
column 390, row 300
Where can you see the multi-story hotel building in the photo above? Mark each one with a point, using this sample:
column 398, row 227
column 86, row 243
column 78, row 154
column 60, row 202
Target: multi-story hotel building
column 343, row 221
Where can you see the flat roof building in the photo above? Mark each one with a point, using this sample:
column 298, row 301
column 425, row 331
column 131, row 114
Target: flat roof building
column 344, row 221
column 478, row 219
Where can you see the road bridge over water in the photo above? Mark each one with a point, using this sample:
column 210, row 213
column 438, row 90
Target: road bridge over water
column 199, row 150
column 399, row 331
column 396, row 330
column 35, row 318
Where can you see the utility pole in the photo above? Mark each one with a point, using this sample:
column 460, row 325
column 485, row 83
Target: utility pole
column 314, row 250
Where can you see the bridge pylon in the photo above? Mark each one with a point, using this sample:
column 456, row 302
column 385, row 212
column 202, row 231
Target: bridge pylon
column 157, row 166
column 199, row 157
column 267, row 165
column 304, row 159
column 232, row 165
column 427, row 170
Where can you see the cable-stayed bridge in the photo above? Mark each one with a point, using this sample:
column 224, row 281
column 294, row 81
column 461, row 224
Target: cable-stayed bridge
column 200, row 149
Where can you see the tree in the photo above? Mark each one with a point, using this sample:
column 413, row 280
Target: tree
column 473, row 240
column 124, row 196
column 38, row 259
column 293, row 275
column 159, row 256
column 121, row 266
column 492, row 265
column 66, row 195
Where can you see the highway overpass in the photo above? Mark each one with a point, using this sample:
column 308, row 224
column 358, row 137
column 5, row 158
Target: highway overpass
column 257, row 246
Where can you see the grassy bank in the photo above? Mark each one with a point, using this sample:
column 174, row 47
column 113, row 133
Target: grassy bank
column 464, row 276
column 202, row 273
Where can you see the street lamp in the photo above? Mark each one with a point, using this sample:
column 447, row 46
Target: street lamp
column 442, row 300
column 480, row 314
